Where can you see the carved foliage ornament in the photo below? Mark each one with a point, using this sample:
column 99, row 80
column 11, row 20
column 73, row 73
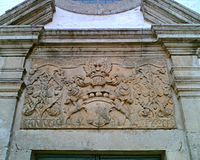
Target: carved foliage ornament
column 98, row 95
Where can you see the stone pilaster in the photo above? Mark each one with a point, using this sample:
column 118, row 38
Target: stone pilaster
column 16, row 42
column 182, row 44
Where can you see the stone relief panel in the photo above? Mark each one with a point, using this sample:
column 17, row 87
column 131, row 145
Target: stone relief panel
column 98, row 93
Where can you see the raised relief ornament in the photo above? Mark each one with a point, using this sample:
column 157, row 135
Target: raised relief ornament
column 99, row 94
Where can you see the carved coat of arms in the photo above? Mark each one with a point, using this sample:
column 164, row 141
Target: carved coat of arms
column 99, row 94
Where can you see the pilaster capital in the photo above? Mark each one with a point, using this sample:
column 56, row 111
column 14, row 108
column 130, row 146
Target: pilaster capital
column 16, row 42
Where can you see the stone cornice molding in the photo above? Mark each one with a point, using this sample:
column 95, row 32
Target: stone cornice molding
column 179, row 40
column 166, row 33
column 177, row 31
column 16, row 42
column 186, row 81
column 198, row 52
column 168, row 12
column 103, row 36
column 31, row 12
column 182, row 41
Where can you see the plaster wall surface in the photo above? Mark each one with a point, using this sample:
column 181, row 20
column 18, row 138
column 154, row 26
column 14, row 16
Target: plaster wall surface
column 68, row 20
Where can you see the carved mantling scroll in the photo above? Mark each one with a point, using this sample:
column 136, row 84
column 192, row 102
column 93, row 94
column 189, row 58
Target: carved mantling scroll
column 99, row 94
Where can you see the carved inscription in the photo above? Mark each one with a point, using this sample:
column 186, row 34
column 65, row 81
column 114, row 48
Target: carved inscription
column 99, row 94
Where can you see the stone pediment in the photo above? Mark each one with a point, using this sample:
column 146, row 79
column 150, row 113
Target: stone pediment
column 30, row 12
column 168, row 12
column 39, row 12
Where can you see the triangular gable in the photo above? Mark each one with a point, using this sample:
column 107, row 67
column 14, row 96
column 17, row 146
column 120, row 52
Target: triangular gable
column 40, row 12
column 168, row 12
column 30, row 12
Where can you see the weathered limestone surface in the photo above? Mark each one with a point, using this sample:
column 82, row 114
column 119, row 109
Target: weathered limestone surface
column 100, row 81
column 191, row 109
column 183, row 48
column 70, row 57
column 7, row 108
column 98, row 93
column 174, row 142
column 121, row 140
column 15, row 44
column 45, row 58
column 31, row 12
column 168, row 12
column 193, row 138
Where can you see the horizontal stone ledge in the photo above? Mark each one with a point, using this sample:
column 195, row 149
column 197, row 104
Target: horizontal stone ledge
column 198, row 52
column 102, row 41
column 179, row 37
column 10, row 88
column 187, row 90
column 129, row 140
column 185, row 69
column 17, row 38
column 20, row 32
column 186, row 32
column 188, row 87
column 11, row 75
column 187, row 78
column 7, row 53
column 23, row 28
column 188, row 94
column 176, row 27
column 99, row 35
column 180, row 31
column 187, row 83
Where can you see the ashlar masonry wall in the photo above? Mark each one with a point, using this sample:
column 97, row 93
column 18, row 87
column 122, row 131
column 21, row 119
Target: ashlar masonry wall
column 101, row 90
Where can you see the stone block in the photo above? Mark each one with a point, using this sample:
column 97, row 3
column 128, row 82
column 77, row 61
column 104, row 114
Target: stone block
column 191, row 111
column 178, row 155
column 194, row 143
column 98, row 93
column 7, row 109
column 173, row 142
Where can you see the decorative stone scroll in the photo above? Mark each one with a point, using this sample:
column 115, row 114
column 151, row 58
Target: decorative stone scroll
column 99, row 94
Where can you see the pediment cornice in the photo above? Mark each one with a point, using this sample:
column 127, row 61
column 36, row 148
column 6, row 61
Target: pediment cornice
column 31, row 12
column 40, row 12
column 168, row 12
